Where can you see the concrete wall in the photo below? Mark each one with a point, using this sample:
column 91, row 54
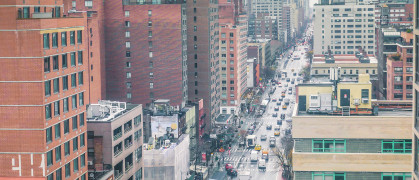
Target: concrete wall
column 358, row 127
column 304, row 175
column 362, row 162
column 352, row 145
column 311, row 90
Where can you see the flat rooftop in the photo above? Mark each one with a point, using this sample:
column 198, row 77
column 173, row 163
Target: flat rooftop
column 108, row 111
column 343, row 59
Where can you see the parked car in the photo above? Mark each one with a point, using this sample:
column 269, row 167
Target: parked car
column 269, row 127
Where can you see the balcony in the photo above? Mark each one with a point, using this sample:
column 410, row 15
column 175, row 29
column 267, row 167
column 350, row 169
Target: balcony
column 128, row 142
column 117, row 136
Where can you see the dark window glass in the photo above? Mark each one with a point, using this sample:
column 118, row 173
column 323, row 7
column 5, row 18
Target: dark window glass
column 72, row 37
column 76, row 165
column 46, row 41
column 49, row 158
column 55, row 63
column 80, row 57
column 58, row 153
column 48, row 111
column 82, row 142
column 80, row 78
column 48, row 133
column 47, row 88
column 54, row 40
column 58, row 174
column 46, row 64
column 79, row 37
column 66, row 126
column 65, row 82
column 74, row 120
column 73, row 80
column 75, row 143
column 73, row 58
column 67, row 170
column 56, row 108
column 64, row 60
column 67, row 148
column 63, row 38
column 82, row 160
column 57, row 128
column 74, row 101
column 56, row 85
column 65, row 104
column 81, row 119
column 81, row 99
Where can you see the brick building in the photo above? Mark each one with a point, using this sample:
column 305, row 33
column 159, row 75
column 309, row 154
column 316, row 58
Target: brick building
column 145, row 52
column 400, row 70
column 203, row 65
column 233, row 55
column 263, row 26
column 44, row 89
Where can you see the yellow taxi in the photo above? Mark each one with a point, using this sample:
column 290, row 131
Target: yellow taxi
column 284, row 107
column 276, row 133
column 283, row 94
column 258, row 147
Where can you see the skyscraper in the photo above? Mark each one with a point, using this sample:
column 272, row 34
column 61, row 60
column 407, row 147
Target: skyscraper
column 203, row 65
column 44, row 87
column 146, row 51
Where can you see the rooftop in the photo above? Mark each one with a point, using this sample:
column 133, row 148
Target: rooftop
column 107, row 111
column 381, row 112
column 342, row 59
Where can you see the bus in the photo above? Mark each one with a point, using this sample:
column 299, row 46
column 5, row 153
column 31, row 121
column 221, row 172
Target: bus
column 251, row 141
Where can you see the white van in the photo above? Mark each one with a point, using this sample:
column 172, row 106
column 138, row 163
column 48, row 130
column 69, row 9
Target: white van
column 254, row 156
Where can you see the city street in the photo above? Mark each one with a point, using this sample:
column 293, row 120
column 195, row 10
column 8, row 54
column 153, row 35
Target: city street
column 240, row 157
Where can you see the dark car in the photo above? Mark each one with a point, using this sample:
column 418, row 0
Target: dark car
column 269, row 127
column 275, row 115
column 278, row 103
column 282, row 116
column 279, row 122
column 232, row 172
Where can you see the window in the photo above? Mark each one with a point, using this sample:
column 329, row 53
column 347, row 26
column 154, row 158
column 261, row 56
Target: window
column 63, row 38
column 56, row 85
column 82, row 142
column 129, row 85
column 48, row 133
column 126, row 13
column 46, row 64
column 231, row 34
column 398, row 70
column 64, row 60
column 58, row 174
column 88, row 4
column 365, row 93
column 67, row 170
column 80, row 57
column 128, row 44
column 81, row 119
column 129, row 95
column 128, row 64
column 74, row 122
column 150, row 33
column 409, row 78
column 150, row 54
column 151, row 85
column 150, row 23
column 149, row 12
column 65, row 104
column 48, row 111
column 396, row 146
column 66, row 126
column 76, row 165
column 127, row 34
column 73, row 80
column 67, row 148
column 75, row 144
column 329, row 145
column 195, row 28
column 74, row 101
column 80, row 78
column 46, row 41
column 47, row 88
column 81, row 99
column 328, row 176
column 73, row 58
column 128, row 75
column 396, row 176
column 54, row 40
column 79, row 37
column 83, row 160
column 72, row 37
column 58, row 153
column 56, row 108
column 150, row 44
column 65, row 82
column 127, row 54
column 398, row 78
column 127, row 24
column 49, row 158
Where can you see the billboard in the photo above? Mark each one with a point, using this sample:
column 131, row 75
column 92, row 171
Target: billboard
column 160, row 125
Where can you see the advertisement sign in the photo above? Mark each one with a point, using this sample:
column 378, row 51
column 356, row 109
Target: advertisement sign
column 160, row 125
column 204, row 157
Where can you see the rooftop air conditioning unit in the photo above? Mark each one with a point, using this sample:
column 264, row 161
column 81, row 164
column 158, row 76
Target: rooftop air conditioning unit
column 356, row 102
column 365, row 100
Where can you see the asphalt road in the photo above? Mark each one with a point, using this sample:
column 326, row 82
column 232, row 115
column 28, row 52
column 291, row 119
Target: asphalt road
column 240, row 157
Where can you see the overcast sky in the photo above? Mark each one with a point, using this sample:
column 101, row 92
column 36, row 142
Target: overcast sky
column 312, row 2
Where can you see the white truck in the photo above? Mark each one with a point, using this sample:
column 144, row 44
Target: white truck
column 251, row 141
column 254, row 156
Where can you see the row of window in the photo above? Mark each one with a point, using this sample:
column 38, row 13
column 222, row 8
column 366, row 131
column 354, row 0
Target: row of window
column 58, row 152
column 339, row 146
column 401, row 87
column 400, row 69
column 117, row 132
column 67, row 169
column 55, row 39
column 54, row 132
column 55, row 83
column 400, row 78
column 346, row 71
column 64, row 61
column 342, row 176
column 26, row 11
column 343, row 52
column 49, row 111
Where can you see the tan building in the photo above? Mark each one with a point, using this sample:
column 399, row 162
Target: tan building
column 265, row 58
column 348, row 138
column 415, row 121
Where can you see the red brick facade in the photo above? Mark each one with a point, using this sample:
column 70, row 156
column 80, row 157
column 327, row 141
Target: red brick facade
column 31, row 110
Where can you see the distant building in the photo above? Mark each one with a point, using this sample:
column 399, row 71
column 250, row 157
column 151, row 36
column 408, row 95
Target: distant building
column 263, row 26
column 415, row 119
column 251, row 73
column 115, row 138
column 343, row 26
column 400, row 70
column 146, row 51
column 339, row 134
column 263, row 53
